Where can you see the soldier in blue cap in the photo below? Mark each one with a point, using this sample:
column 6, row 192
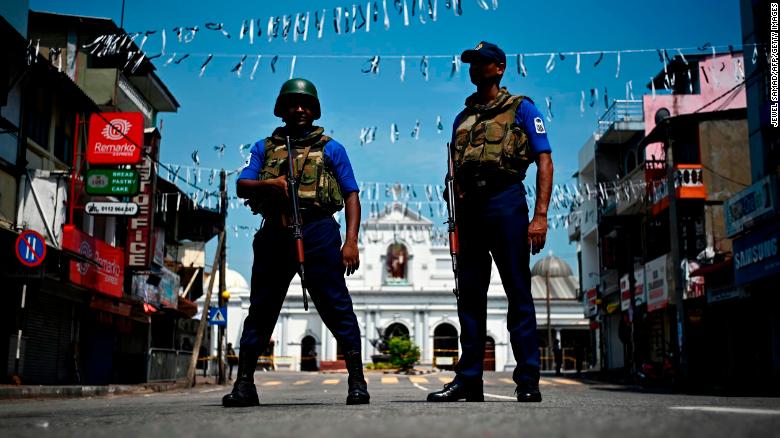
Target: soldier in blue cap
column 326, row 184
column 494, row 140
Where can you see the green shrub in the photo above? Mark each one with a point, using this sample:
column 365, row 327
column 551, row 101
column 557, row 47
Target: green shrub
column 403, row 353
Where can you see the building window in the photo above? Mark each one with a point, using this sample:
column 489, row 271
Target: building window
column 37, row 116
column 397, row 264
column 63, row 136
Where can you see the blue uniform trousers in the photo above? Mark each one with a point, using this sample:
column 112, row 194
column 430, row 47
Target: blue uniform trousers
column 273, row 269
column 496, row 224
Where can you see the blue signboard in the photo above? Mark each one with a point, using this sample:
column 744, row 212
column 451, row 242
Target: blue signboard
column 757, row 255
column 750, row 205
column 218, row 316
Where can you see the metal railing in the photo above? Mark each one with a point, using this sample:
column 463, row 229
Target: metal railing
column 621, row 111
column 167, row 364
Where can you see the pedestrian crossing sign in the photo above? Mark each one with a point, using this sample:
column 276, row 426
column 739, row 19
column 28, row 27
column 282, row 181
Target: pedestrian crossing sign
column 218, row 316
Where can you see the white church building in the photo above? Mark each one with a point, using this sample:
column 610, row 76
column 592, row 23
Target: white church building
column 404, row 286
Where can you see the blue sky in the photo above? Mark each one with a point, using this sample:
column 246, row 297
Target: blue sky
column 221, row 108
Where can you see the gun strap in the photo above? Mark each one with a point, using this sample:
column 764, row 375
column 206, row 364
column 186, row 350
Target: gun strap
column 303, row 163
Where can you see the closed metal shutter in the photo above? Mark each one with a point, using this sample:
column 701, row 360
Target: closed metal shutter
column 48, row 328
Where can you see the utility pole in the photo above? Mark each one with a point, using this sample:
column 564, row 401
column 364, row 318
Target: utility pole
column 676, row 292
column 204, row 315
column 222, row 272
column 549, row 325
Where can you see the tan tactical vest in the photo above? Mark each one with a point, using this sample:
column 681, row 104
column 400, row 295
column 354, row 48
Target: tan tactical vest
column 318, row 187
column 489, row 143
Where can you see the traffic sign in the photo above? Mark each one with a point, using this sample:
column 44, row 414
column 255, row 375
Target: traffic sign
column 111, row 208
column 30, row 248
column 218, row 316
column 112, row 182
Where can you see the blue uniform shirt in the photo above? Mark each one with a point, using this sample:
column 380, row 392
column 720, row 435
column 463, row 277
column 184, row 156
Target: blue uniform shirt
column 333, row 151
column 531, row 121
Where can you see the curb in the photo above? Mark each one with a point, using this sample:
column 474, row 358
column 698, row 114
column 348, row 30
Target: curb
column 82, row 391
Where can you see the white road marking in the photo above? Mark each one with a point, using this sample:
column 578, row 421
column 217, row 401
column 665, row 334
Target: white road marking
column 330, row 382
column 564, row 381
column 418, row 386
column 726, row 409
column 418, row 379
column 301, row 382
column 502, row 397
column 212, row 390
column 389, row 380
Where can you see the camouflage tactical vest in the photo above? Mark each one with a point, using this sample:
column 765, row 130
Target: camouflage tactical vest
column 318, row 187
column 488, row 142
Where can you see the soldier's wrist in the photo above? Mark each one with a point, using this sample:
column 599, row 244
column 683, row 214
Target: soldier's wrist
column 351, row 240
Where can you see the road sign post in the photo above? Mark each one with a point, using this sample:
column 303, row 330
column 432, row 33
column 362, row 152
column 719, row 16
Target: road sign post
column 30, row 249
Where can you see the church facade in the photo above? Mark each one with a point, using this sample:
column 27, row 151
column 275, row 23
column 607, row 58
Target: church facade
column 404, row 287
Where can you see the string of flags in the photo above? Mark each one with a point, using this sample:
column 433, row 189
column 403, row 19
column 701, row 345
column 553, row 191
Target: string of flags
column 428, row 200
column 296, row 27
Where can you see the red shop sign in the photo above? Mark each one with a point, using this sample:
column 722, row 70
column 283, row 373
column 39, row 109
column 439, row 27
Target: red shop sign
column 109, row 277
column 115, row 138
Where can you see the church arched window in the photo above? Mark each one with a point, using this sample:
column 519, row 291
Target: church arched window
column 397, row 264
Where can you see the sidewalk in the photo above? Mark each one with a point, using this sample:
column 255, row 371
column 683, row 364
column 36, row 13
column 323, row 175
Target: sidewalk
column 12, row 392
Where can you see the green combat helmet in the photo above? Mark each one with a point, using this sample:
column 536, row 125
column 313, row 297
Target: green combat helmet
column 297, row 86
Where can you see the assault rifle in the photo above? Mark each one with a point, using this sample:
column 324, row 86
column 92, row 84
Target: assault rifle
column 452, row 227
column 297, row 230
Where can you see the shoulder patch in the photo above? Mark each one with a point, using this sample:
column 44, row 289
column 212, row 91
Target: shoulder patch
column 539, row 125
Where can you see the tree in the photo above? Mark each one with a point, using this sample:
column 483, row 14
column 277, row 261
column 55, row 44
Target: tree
column 403, row 353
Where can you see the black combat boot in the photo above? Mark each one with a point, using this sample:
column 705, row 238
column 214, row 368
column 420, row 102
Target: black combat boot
column 244, row 391
column 528, row 393
column 457, row 390
column 357, row 394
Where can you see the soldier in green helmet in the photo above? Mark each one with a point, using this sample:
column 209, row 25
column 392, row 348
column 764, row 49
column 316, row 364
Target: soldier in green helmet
column 326, row 184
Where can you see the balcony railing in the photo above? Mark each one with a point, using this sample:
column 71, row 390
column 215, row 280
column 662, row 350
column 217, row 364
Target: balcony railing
column 621, row 111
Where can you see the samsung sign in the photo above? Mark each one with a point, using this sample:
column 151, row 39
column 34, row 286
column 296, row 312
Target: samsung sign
column 756, row 255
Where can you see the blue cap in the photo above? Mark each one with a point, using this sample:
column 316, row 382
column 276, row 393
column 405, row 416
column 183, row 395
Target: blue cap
column 484, row 51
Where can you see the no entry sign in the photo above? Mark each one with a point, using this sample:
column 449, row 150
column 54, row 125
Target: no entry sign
column 115, row 138
column 30, row 248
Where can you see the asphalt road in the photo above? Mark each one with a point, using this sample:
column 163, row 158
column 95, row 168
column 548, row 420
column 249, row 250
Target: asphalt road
column 312, row 405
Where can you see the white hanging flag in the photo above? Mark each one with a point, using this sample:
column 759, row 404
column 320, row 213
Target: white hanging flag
column 403, row 67
column 254, row 69
column 550, row 63
column 577, row 68
column 387, row 17
column 292, row 66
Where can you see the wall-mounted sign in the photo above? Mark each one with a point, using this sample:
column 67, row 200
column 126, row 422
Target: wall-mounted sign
column 751, row 204
column 115, row 138
column 757, row 255
column 640, row 291
column 111, row 208
column 625, row 293
column 112, row 182
column 657, row 284
column 140, row 228
column 591, row 303
column 107, row 276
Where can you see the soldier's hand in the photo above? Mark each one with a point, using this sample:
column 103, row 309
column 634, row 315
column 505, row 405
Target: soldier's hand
column 254, row 205
column 279, row 185
column 537, row 234
column 350, row 257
